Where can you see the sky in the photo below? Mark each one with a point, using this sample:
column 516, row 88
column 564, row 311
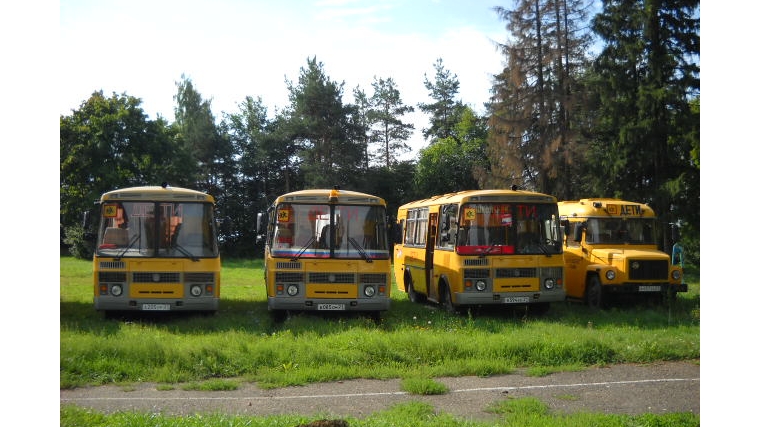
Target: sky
column 231, row 49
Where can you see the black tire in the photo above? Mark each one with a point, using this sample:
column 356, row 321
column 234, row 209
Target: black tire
column 539, row 308
column 279, row 316
column 413, row 295
column 446, row 301
column 594, row 293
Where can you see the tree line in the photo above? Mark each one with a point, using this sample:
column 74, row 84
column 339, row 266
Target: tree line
column 623, row 122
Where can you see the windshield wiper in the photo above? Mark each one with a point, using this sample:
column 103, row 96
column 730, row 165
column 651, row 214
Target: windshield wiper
column 359, row 248
column 306, row 246
column 488, row 250
column 129, row 246
column 185, row 252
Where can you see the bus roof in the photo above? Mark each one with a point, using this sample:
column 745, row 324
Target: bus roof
column 473, row 196
column 156, row 192
column 603, row 207
column 323, row 195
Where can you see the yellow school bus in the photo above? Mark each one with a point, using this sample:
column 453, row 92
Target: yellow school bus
column 611, row 249
column 481, row 248
column 156, row 250
column 327, row 250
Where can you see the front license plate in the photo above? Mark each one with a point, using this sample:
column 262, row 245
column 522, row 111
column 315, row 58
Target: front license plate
column 156, row 307
column 331, row 307
column 516, row 300
column 647, row 288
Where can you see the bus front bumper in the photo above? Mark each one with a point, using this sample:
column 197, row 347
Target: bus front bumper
column 511, row 298
column 113, row 304
column 299, row 304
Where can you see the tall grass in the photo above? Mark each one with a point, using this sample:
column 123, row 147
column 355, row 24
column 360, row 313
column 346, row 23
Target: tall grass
column 242, row 341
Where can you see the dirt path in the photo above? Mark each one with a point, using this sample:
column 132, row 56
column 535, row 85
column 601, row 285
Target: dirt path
column 620, row 389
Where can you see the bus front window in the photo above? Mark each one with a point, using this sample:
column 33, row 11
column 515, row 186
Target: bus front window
column 147, row 229
column 506, row 228
column 324, row 231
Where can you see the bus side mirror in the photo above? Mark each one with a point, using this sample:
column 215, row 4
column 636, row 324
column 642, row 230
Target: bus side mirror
column 578, row 232
column 675, row 233
column 260, row 218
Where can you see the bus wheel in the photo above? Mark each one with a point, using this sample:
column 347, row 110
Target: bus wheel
column 538, row 308
column 279, row 316
column 413, row 295
column 594, row 293
column 445, row 297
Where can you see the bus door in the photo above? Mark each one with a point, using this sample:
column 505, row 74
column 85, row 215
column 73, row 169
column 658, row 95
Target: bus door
column 430, row 253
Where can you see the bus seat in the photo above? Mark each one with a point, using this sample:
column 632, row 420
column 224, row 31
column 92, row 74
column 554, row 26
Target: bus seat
column 477, row 236
column 115, row 236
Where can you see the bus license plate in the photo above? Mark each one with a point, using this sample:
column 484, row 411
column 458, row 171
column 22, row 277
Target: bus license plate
column 646, row 288
column 331, row 307
column 516, row 300
column 156, row 307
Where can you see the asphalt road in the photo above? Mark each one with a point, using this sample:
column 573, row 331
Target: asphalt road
column 657, row 388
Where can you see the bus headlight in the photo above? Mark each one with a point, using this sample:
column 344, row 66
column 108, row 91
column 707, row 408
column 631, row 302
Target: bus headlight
column 369, row 291
column 610, row 274
column 480, row 285
column 116, row 290
column 676, row 275
column 549, row 283
column 196, row 290
column 292, row 290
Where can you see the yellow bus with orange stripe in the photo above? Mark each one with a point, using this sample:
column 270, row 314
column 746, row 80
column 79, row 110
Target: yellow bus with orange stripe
column 156, row 250
column 327, row 250
column 481, row 248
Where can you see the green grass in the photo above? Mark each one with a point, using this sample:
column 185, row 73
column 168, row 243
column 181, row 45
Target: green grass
column 524, row 412
column 423, row 386
column 243, row 342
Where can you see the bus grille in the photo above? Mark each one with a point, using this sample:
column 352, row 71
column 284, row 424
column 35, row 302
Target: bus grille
column 555, row 272
column 289, row 265
column 288, row 277
column 476, row 273
column 648, row 270
column 372, row 278
column 112, row 264
column 476, row 261
column 112, row 276
column 199, row 277
column 145, row 277
column 515, row 272
column 337, row 278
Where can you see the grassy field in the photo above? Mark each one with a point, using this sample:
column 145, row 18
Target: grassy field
column 243, row 343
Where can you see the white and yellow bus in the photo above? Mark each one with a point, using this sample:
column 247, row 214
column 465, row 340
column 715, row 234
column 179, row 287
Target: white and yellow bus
column 327, row 250
column 156, row 250
column 481, row 248
column 611, row 249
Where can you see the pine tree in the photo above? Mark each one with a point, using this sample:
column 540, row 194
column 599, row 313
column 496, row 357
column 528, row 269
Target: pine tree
column 533, row 137
column 388, row 132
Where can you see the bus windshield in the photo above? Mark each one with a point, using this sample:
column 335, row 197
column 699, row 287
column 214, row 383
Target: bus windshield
column 330, row 231
column 637, row 231
column 151, row 229
column 508, row 228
